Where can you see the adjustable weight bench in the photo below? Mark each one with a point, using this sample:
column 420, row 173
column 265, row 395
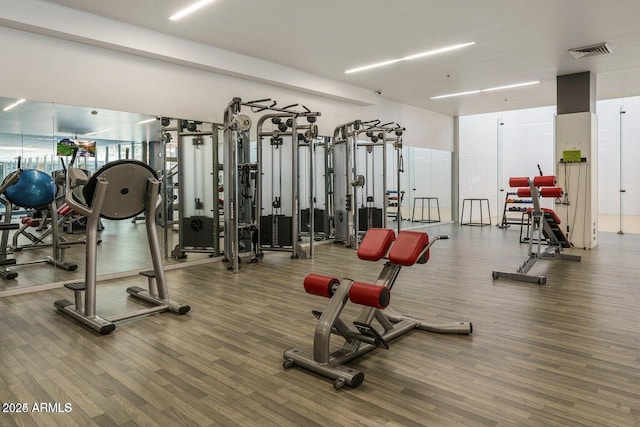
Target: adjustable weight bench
column 545, row 228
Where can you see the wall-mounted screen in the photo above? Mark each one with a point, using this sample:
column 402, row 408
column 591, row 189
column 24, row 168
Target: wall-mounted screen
column 66, row 146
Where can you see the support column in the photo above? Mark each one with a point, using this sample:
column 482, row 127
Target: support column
column 576, row 156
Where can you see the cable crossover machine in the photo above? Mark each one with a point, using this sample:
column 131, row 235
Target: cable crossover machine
column 245, row 222
column 360, row 195
column 544, row 227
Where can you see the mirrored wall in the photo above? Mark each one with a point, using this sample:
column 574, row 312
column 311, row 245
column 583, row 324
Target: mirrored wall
column 31, row 135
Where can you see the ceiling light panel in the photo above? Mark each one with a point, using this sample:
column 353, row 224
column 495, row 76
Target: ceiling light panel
column 410, row 57
column 490, row 89
column 15, row 104
column 190, row 9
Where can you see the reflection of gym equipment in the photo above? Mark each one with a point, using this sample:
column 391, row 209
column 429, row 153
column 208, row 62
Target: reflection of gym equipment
column 37, row 229
column 544, row 228
column 193, row 185
column 244, row 222
column 30, row 189
column 358, row 202
column 119, row 190
column 410, row 247
column 395, row 201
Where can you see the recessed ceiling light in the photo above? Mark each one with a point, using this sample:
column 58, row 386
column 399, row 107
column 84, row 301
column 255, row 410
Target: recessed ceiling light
column 15, row 104
column 188, row 10
column 486, row 90
column 410, row 57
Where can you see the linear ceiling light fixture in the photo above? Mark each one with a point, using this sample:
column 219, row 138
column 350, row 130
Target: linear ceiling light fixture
column 491, row 89
column 96, row 132
column 188, row 10
column 15, row 104
column 410, row 57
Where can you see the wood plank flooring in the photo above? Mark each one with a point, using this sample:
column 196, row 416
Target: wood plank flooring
column 567, row 353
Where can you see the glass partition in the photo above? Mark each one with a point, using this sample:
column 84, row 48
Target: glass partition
column 618, row 155
column 428, row 176
column 495, row 146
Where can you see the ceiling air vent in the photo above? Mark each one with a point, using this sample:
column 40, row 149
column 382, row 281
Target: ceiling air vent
column 593, row 50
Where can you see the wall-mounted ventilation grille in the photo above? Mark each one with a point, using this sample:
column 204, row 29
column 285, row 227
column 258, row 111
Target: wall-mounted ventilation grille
column 593, row 50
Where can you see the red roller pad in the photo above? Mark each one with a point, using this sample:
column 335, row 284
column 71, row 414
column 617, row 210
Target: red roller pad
column 544, row 181
column 407, row 248
column 524, row 192
column 519, row 181
column 551, row 192
column 369, row 295
column 552, row 214
column 375, row 244
column 320, row 285
column 64, row 209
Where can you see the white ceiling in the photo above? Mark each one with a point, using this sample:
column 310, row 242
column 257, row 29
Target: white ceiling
column 516, row 41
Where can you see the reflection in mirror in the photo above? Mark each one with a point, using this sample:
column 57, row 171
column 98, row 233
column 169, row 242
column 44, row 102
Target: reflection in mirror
column 29, row 133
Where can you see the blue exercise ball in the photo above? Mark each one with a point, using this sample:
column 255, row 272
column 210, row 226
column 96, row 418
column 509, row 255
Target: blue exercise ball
column 34, row 189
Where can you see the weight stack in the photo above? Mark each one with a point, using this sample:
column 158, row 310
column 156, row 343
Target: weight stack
column 197, row 232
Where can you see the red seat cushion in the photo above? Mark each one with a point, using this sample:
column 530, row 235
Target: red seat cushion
column 375, row 244
column 31, row 222
column 64, row 209
column 407, row 248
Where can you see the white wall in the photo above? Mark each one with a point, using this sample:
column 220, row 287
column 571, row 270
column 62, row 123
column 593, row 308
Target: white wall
column 44, row 68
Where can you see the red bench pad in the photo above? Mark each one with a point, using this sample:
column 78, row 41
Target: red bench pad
column 552, row 214
column 375, row 244
column 407, row 248
column 320, row 285
column 31, row 222
column 64, row 209
column 369, row 295
column 547, row 212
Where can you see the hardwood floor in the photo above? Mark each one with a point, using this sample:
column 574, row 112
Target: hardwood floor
column 567, row 353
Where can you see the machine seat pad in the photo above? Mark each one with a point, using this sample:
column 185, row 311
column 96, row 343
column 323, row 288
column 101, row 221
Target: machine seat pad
column 375, row 244
column 407, row 248
column 31, row 222
column 550, row 213
column 64, row 209
column 369, row 295
column 320, row 285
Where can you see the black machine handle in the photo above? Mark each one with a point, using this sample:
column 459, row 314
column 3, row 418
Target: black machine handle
column 73, row 156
